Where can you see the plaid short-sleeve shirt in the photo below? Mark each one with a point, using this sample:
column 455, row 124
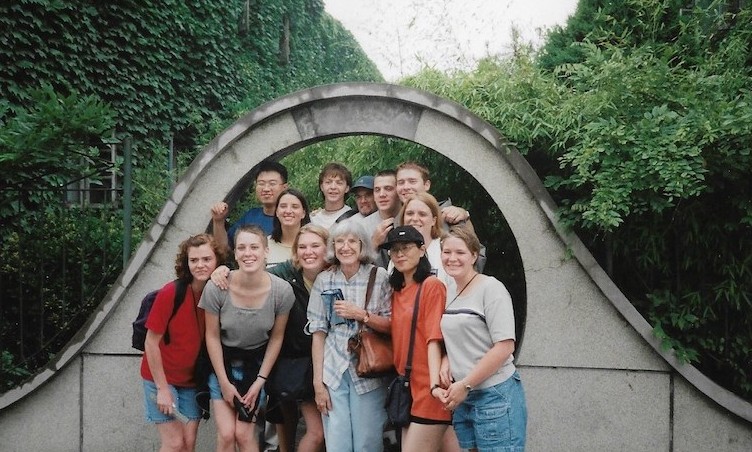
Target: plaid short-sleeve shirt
column 337, row 360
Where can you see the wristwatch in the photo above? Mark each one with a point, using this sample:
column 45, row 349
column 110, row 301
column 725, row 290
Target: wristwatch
column 367, row 317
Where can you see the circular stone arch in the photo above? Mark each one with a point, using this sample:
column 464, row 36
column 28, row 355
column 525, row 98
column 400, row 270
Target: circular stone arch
column 224, row 167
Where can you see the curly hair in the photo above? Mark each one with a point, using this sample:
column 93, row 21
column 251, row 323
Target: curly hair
column 367, row 253
column 182, row 270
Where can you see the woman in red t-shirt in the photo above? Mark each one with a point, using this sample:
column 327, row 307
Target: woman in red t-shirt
column 428, row 417
column 167, row 369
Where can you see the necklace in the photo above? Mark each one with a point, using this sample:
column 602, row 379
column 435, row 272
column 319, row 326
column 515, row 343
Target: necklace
column 463, row 289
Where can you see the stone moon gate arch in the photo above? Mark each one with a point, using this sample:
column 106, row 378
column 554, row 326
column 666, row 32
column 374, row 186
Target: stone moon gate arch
column 595, row 376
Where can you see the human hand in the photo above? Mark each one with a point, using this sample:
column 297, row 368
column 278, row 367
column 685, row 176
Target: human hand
column 250, row 397
column 454, row 214
column 165, row 402
column 220, row 277
column 323, row 401
column 229, row 392
column 379, row 235
column 220, row 211
column 348, row 310
column 456, row 393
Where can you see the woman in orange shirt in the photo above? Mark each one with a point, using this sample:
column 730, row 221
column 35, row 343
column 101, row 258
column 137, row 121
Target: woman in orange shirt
column 428, row 417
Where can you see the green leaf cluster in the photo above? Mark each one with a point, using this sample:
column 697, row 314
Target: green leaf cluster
column 76, row 76
column 641, row 128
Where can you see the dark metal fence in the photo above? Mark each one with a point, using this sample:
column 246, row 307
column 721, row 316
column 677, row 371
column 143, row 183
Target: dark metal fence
column 58, row 262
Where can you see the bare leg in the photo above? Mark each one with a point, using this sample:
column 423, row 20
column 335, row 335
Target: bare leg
column 422, row 438
column 449, row 442
column 171, row 436
column 313, row 440
column 189, row 436
column 224, row 418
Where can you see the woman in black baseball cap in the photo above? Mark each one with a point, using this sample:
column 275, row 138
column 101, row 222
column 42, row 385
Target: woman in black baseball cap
column 413, row 283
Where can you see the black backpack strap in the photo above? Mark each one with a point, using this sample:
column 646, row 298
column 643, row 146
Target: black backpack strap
column 346, row 215
column 409, row 364
column 181, row 287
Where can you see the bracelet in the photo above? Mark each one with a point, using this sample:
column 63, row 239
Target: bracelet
column 432, row 388
column 261, row 377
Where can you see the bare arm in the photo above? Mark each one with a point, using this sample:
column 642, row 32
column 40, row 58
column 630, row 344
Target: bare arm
column 214, row 348
column 491, row 361
column 323, row 402
column 434, row 363
column 154, row 358
column 270, row 357
column 219, row 213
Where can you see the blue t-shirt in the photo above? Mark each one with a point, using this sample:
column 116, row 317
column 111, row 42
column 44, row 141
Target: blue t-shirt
column 254, row 216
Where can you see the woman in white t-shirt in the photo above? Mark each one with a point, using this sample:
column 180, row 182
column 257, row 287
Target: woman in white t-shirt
column 483, row 387
column 290, row 213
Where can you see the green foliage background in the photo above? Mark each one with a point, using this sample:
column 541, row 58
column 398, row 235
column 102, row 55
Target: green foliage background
column 77, row 75
column 640, row 124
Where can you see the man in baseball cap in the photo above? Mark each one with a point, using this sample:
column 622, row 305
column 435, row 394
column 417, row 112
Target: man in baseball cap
column 362, row 191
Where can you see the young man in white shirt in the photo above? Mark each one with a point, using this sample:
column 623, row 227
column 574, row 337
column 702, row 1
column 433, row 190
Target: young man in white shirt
column 334, row 183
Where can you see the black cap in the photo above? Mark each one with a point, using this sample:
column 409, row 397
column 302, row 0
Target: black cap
column 402, row 234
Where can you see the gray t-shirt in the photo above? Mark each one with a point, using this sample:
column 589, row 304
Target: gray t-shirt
column 472, row 323
column 247, row 328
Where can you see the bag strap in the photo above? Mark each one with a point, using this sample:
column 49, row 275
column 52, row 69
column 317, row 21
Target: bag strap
column 409, row 365
column 369, row 291
column 369, row 287
column 181, row 287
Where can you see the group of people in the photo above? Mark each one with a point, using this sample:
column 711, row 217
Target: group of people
column 399, row 247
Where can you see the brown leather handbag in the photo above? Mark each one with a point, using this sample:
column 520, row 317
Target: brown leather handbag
column 373, row 350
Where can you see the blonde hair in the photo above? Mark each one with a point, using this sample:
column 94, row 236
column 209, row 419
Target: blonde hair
column 466, row 235
column 432, row 204
column 307, row 228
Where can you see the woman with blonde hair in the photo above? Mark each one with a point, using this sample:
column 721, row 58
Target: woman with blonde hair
column 421, row 210
column 308, row 261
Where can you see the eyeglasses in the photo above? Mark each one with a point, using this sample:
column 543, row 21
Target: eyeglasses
column 402, row 248
column 271, row 184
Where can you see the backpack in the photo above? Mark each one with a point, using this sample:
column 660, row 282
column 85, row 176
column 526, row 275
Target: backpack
column 139, row 325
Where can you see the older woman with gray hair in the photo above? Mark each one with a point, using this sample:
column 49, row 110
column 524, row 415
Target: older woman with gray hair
column 352, row 407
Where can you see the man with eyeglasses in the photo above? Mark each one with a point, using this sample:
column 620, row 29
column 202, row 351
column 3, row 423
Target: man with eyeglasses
column 271, row 180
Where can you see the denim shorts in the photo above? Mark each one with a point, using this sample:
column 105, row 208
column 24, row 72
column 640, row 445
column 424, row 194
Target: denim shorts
column 215, row 391
column 185, row 399
column 493, row 419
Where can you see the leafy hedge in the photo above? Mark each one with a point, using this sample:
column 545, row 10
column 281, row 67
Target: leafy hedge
column 76, row 75
column 645, row 145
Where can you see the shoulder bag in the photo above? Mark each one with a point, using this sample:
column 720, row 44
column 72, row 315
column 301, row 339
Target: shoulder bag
column 399, row 400
column 373, row 350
